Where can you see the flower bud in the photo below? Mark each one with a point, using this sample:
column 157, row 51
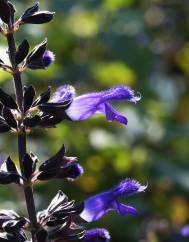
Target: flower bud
column 42, row 62
column 96, row 235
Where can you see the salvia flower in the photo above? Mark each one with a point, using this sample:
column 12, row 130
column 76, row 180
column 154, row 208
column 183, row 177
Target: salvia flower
column 60, row 167
column 42, row 62
column 87, row 105
column 48, row 58
column 96, row 235
column 71, row 172
column 98, row 205
column 185, row 231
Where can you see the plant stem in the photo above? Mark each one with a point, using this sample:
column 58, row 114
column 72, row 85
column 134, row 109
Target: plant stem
column 28, row 191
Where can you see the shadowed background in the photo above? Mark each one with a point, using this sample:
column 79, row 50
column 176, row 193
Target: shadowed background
column 143, row 44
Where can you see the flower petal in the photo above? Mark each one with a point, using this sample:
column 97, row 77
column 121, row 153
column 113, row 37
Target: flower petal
column 63, row 94
column 95, row 208
column 48, row 58
column 83, row 107
column 123, row 209
column 112, row 114
column 71, row 172
column 42, row 62
column 120, row 93
column 2, row 159
column 97, row 235
column 185, row 231
column 128, row 187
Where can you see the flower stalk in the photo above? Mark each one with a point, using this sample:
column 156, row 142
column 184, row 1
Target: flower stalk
column 28, row 191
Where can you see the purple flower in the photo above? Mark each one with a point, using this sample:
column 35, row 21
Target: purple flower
column 185, row 231
column 48, row 58
column 87, row 105
column 97, row 235
column 98, row 205
column 71, row 172
column 42, row 62
column 2, row 159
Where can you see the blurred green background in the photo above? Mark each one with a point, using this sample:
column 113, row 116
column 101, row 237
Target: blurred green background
column 100, row 43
